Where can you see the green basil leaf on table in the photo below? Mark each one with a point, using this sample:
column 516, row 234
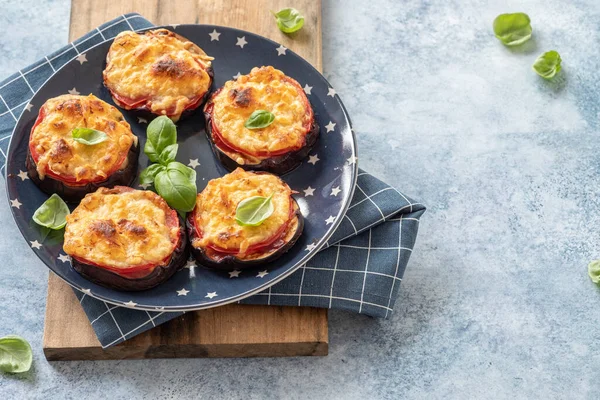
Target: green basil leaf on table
column 253, row 211
column 147, row 176
column 289, row 20
column 594, row 271
column 15, row 354
column 52, row 213
column 177, row 185
column 512, row 29
column 161, row 133
column 548, row 64
column 259, row 119
column 168, row 154
column 88, row 136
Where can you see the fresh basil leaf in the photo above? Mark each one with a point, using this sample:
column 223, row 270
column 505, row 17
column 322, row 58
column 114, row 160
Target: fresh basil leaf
column 289, row 20
column 52, row 213
column 548, row 64
column 594, row 271
column 147, row 176
column 161, row 133
column 177, row 185
column 15, row 354
column 168, row 154
column 253, row 211
column 259, row 119
column 88, row 136
column 512, row 29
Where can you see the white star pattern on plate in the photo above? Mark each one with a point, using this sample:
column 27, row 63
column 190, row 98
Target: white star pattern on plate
column 352, row 160
column 81, row 58
column 74, row 91
column 191, row 264
column 237, row 75
column 313, row 159
column 182, row 292
column 281, row 50
column 307, row 89
column 87, row 291
column 311, row 247
column 174, row 26
column 241, row 41
column 262, row 274
column 331, row 92
column 159, row 308
column 335, row 191
column 23, row 175
column 36, row 245
column 330, row 220
column 29, row 106
column 16, row 203
column 145, row 185
column 64, row 258
column 214, row 35
column 211, row 295
column 330, row 126
column 234, row 274
column 308, row 191
column 193, row 163
column 142, row 120
column 130, row 304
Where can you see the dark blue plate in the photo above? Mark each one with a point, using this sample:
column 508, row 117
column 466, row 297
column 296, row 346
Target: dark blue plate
column 325, row 181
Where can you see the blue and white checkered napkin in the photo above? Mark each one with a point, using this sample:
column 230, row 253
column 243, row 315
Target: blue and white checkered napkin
column 359, row 271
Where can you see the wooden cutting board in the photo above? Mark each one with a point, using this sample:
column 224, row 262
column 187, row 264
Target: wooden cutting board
column 228, row 331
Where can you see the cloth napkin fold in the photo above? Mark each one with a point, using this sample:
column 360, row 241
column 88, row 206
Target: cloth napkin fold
column 360, row 270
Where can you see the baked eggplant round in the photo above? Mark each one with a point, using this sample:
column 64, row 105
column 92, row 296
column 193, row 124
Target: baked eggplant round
column 157, row 71
column 58, row 163
column 218, row 241
column 278, row 147
column 125, row 239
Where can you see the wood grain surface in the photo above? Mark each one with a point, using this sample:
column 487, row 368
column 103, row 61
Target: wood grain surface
column 228, row 331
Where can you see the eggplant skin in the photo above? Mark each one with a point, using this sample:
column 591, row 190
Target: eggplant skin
column 159, row 275
column 73, row 194
column 277, row 165
column 231, row 261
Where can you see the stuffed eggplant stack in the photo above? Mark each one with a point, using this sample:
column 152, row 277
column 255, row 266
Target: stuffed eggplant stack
column 78, row 144
column 261, row 121
column 125, row 239
column 157, row 71
column 244, row 219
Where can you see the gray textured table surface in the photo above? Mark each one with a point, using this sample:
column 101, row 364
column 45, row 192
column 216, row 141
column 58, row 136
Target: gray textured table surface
column 496, row 302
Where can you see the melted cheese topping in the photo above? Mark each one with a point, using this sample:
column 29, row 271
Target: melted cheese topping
column 165, row 70
column 264, row 88
column 53, row 147
column 216, row 205
column 121, row 229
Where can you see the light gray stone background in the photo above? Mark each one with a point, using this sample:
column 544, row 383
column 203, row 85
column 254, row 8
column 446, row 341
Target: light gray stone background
column 496, row 302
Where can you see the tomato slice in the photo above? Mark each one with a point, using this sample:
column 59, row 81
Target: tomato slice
column 226, row 145
column 263, row 246
column 135, row 271
column 69, row 179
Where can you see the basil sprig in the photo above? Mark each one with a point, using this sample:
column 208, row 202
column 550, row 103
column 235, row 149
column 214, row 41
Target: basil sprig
column 52, row 213
column 512, row 29
column 88, row 136
column 173, row 181
column 259, row 119
column 15, row 354
column 253, row 211
column 289, row 20
column 160, row 134
column 594, row 271
column 548, row 64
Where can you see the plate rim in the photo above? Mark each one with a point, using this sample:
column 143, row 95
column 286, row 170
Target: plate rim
column 228, row 300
